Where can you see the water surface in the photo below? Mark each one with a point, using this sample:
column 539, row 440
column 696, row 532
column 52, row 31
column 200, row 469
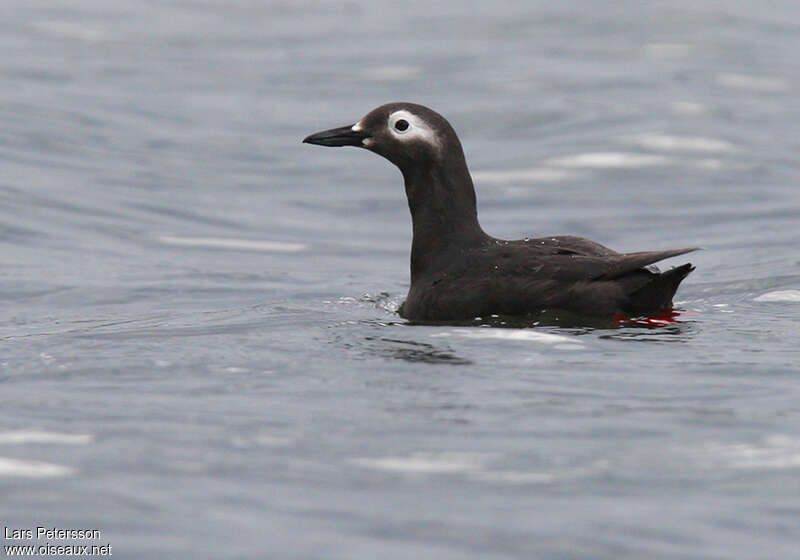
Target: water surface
column 201, row 351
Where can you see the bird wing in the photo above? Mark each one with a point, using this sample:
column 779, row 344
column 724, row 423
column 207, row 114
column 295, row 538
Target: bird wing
column 623, row 264
column 560, row 262
column 570, row 244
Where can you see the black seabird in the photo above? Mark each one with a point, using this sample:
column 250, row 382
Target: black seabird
column 459, row 272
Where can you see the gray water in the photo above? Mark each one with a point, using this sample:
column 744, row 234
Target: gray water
column 201, row 355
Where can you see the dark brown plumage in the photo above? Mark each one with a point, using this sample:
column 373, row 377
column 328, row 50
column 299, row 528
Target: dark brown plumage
column 459, row 272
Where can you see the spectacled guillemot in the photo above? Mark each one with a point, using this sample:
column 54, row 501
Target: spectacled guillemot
column 459, row 272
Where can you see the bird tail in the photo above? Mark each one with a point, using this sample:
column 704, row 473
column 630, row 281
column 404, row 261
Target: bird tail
column 658, row 292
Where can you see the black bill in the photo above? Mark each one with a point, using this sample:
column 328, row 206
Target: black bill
column 344, row 136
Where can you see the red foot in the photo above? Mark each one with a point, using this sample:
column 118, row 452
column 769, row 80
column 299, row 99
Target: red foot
column 660, row 319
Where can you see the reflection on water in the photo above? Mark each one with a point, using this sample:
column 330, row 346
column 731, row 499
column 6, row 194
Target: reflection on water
column 560, row 331
column 367, row 339
column 573, row 322
column 411, row 351
column 674, row 332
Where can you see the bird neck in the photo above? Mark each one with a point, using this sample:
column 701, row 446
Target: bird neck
column 444, row 213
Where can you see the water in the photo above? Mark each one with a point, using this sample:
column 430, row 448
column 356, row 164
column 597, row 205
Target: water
column 201, row 355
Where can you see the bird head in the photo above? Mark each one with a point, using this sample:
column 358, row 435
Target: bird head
column 404, row 133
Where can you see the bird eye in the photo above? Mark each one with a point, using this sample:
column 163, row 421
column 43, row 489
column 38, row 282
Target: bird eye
column 401, row 125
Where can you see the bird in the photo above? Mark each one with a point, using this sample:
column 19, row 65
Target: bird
column 459, row 272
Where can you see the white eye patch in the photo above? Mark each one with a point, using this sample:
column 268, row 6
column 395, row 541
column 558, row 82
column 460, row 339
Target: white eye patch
column 405, row 126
